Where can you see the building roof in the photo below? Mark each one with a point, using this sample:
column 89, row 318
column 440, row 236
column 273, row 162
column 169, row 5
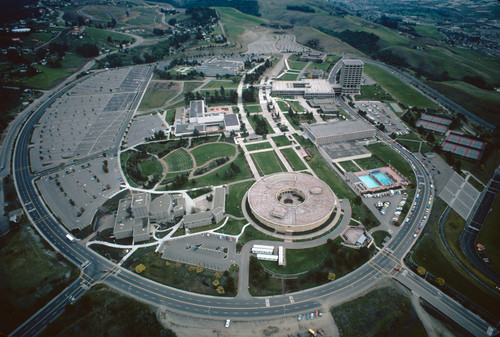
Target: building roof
column 306, row 85
column 161, row 204
column 219, row 197
column 194, row 217
column 231, row 120
column 196, row 108
column 352, row 62
column 139, row 199
column 338, row 128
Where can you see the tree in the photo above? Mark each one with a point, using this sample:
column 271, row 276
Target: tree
column 216, row 283
column 440, row 281
column 220, row 290
column 331, row 276
column 357, row 200
column 140, row 268
column 421, row 271
column 199, row 269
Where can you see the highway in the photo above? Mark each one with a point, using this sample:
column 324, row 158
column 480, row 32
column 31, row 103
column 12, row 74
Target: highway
column 97, row 269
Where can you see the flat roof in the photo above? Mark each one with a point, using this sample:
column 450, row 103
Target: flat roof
column 160, row 204
column 352, row 62
column 308, row 86
column 231, row 120
column 338, row 128
column 196, row 108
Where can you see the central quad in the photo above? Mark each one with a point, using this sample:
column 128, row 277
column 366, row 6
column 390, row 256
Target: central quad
column 291, row 202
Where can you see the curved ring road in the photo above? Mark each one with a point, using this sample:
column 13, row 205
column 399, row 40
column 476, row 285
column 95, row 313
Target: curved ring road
column 97, row 269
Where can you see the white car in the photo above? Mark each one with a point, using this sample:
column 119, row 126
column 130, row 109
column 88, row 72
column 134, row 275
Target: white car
column 228, row 321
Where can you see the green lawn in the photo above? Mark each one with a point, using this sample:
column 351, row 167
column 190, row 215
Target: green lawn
column 370, row 163
column 288, row 77
column 267, row 162
column 281, row 140
column 283, row 106
column 296, row 65
column 170, row 116
column 251, row 120
column 224, row 174
column 258, row 146
column 253, row 108
column 349, row 166
column 233, row 227
column 235, row 196
column 207, row 152
column 379, row 237
column 236, row 22
column 397, row 88
column 293, row 159
column 216, row 84
column 46, row 78
column 178, row 160
column 251, row 233
column 391, row 157
column 373, row 92
column 299, row 260
column 101, row 35
column 151, row 167
column 158, row 93
column 412, row 143
column 296, row 106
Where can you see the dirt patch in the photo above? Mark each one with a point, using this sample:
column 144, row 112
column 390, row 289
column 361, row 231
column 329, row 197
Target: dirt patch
column 286, row 326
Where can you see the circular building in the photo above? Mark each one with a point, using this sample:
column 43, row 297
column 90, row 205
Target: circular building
column 291, row 202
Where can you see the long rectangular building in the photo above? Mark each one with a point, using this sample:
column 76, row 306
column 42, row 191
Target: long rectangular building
column 340, row 131
column 307, row 88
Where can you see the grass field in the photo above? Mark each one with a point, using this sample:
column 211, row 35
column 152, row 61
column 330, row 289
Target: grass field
column 251, row 233
column 288, row 77
column 283, row 106
column 296, row 106
column 382, row 312
column 299, row 260
column 253, row 108
column 232, row 227
column 178, row 160
column 375, row 92
column 369, row 163
column 32, row 274
column 224, row 175
column 158, row 94
column 216, row 84
column 297, row 65
column 101, row 35
column 235, row 196
column 379, row 237
column 397, row 88
column 490, row 236
column 267, row 162
column 391, row 157
column 293, row 159
column 349, row 166
column 46, row 78
column 410, row 142
column 151, row 167
column 235, row 23
column 207, row 152
column 281, row 140
column 258, row 146
column 170, row 116
column 254, row 125
column 117, row 314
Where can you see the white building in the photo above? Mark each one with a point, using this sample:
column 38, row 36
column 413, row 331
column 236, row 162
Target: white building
column 350, row 76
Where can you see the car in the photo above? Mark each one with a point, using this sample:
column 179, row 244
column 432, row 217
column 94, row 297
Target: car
column 397, row 268
column 228, row 321
column 307, row 315
column 316, row 313
column 320, row 314
column 321, row 332
column 299, row 317
column 415, row 235
column 312, row 315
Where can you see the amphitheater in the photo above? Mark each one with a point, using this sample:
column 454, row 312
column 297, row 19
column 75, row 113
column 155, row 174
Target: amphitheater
column 291, row 202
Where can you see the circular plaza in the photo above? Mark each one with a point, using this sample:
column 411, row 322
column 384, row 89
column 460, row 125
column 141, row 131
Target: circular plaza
column 291, row 202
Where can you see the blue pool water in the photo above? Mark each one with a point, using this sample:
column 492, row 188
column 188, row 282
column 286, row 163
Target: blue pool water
column 368, row 181
column 382, row 178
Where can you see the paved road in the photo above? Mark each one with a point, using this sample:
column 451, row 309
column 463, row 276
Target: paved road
column 97, row 269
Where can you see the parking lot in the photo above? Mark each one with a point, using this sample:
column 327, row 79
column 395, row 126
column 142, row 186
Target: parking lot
column 212, row 251
column 75, row 193
column 143, row 127
column 381, row 113
column 88, row 119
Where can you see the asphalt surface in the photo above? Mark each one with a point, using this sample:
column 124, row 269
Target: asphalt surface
column 97, row 269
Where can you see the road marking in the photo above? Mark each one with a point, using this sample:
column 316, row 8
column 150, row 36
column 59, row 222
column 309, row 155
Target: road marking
column 291, row 299
column 267, row 302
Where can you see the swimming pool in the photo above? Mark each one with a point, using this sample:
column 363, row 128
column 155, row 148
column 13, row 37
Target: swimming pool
column 383, row 178
column 368, row 181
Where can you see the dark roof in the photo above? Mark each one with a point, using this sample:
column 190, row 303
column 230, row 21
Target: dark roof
column 196, row 108
column 231, row 120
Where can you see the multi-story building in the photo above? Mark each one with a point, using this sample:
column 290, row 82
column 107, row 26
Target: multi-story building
column 350, row 76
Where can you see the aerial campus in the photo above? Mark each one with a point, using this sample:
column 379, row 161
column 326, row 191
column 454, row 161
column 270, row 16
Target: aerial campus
column 260, row 168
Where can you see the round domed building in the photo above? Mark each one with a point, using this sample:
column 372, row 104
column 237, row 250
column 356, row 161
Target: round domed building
column 291, row 201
